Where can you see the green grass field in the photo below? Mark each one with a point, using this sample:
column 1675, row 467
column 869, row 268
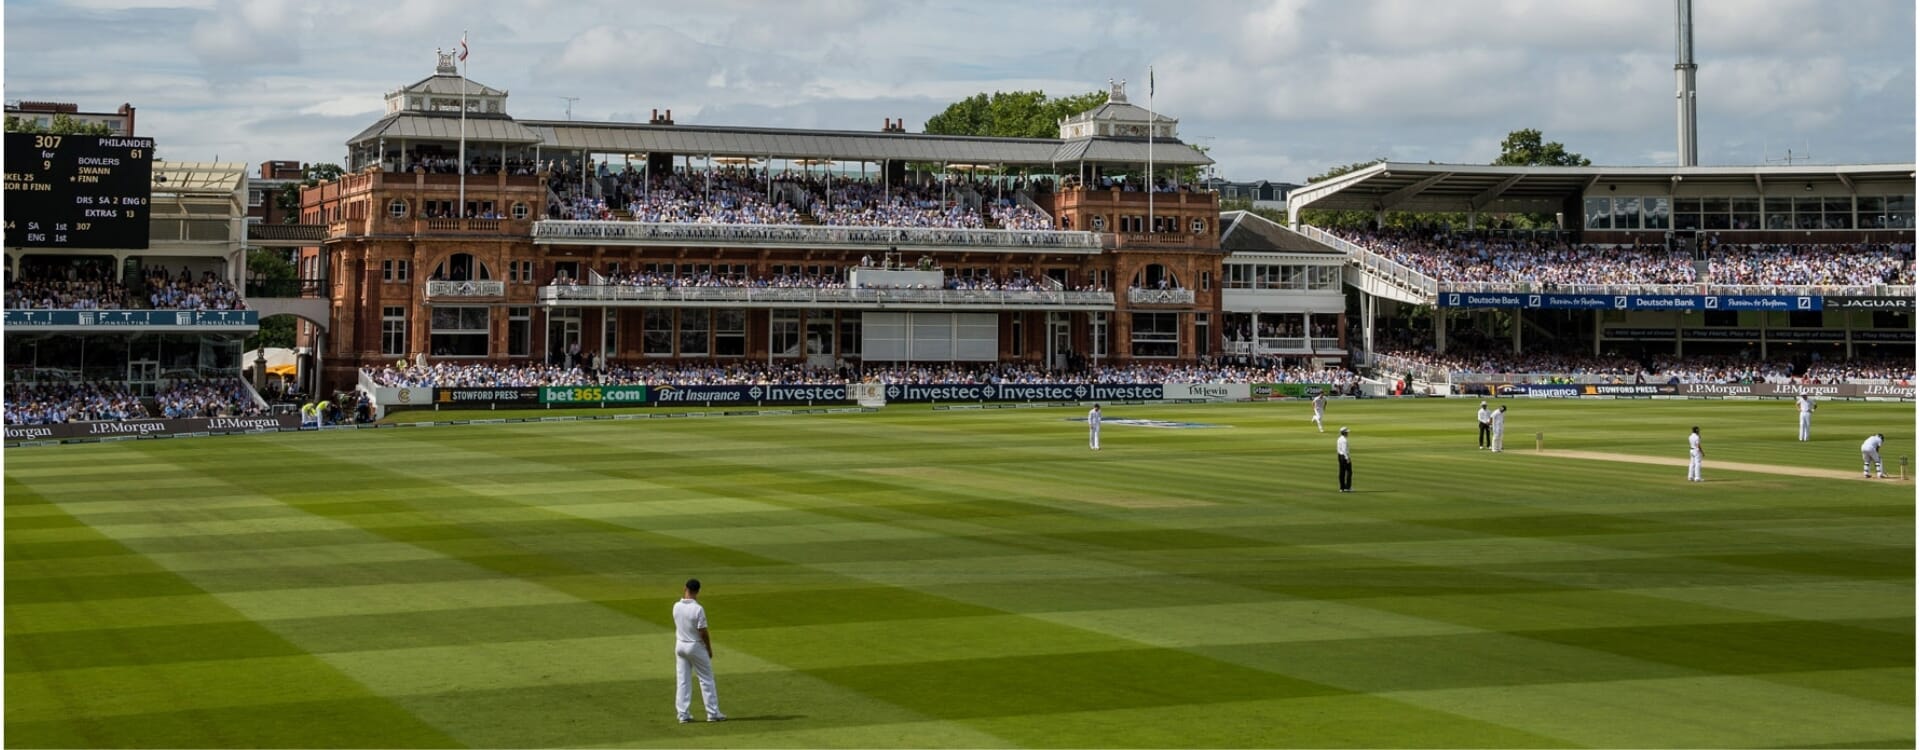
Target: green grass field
column 974, row 578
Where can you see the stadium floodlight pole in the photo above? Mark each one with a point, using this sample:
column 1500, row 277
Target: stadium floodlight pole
column 462, row 210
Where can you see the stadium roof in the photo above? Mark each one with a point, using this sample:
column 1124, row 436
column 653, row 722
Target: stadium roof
column 439, row 126
column 1395, row 186
column 197, row 177
column 1248, row 232
column 620, row 137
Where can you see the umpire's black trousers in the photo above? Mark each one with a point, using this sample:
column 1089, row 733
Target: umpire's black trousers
column 1346, row 473
column 1486, row 435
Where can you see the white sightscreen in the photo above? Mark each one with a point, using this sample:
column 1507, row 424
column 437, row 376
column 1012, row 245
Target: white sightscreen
column 929, row 337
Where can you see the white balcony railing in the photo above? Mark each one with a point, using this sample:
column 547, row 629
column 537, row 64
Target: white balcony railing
column 839, row 296
column 1380, row 265
column 764, row 235
column 458, row 289
column 1758, row 290
column 1160, row 296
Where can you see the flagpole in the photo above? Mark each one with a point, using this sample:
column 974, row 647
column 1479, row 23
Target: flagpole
column 1152, row 222
column 461, row 211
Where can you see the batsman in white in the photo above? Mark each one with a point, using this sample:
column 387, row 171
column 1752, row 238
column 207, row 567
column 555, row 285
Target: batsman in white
column 1500, row 429
column 1870, row 457
column 1805, row 402
column 1694, row 454
column 1319, row 409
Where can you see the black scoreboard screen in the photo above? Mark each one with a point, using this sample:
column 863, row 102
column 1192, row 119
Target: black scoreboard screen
column 81, row 191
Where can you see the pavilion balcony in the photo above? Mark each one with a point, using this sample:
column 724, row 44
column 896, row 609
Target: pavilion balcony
column 1160, row 296
column 615, row 295
column 454, row 291
column 633, row 233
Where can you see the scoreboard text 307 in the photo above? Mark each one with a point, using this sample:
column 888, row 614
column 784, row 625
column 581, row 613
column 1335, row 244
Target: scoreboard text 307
column 79, row 191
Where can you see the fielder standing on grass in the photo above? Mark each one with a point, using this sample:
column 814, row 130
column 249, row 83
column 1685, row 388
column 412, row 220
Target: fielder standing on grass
column 1805, row 403
column 1093, row 428
column 1319, row 409
column 693, row 655
column 1486, row 427
column 1694, row 454
column 1870, row 456
column 1346, row 462
column 1500, row 428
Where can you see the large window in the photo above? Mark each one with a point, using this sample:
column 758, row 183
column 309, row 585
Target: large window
column 1655, row 213
column 460, row 331
column 730, row 333
column 786, row 333
column 850, row 335
column 820, row 332
column 393, row 331
column 695, row 325
column 519, row 331
column 1599, row 214
column 1098, row 327
column 656, row 333
column 1156, row 334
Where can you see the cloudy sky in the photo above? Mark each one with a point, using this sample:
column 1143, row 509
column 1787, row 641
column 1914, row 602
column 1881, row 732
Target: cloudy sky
column 1279, row 89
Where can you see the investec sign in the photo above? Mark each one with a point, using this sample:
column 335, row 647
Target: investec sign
column 1026, row 392
column 747, row 394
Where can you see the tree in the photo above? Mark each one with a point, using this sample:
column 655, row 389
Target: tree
column 1016, row 114
column 310, row 175
column 60, row 125
column 1523, row 148
column 273, row 272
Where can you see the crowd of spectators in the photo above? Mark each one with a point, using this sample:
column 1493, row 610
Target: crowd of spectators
column 1478, row 259
column 59, row 403
column 417, row 161
column 857, row 203
column 1692, row 369
column 184, row 292
column 47, row 294
column 1862, row 264
column 216, row 397
column 1549, row 262
column 1010, row 214
column 1866, row 369
column 447, row 375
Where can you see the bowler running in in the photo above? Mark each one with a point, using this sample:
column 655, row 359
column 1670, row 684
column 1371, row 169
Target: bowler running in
column 1319, row 410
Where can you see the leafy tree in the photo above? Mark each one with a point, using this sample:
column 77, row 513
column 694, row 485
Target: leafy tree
column 271, row 266
column 1524, row 148
column 1016, row 114
column 310, row 175
column 62, row 124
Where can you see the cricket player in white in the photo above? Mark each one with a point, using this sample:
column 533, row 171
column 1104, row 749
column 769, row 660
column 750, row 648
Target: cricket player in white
column 1694, row 454
column 1870, row 457
column 1486, row 426
column 1499, row 429
column 1319, row 410
column 1093, row 427
column 1806, row 417
column 693, row 652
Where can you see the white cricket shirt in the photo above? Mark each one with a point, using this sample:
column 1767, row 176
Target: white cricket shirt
column 688, row 619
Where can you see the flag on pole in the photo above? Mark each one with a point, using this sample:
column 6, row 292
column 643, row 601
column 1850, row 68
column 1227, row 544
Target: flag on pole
column 463, row 47
column 1149, row 71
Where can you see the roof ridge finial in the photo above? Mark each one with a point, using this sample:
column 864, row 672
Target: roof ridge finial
column 1118, row 91
column 445, row 67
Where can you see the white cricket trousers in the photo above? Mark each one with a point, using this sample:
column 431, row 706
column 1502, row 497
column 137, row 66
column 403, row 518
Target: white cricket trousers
column 1693, row 465
column 1500, row 439
column 1093, row 437
column 1806, row 426
column 693, row 657
column 1871, row 460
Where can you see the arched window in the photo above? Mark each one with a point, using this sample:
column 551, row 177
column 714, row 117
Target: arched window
column 462, row 267
column 1156, row 276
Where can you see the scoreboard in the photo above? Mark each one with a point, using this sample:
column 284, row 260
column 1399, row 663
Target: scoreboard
column 78, row 191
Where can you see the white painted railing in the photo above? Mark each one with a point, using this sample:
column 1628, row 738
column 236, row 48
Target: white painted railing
column 614, row 232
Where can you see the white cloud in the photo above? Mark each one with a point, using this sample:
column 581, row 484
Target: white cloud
column 1284, row 88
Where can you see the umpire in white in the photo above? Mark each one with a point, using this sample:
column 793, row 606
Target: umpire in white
column 1486, row 427
column 1346, row 462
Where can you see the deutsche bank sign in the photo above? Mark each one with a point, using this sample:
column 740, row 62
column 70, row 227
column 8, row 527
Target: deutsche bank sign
column 1629, row 301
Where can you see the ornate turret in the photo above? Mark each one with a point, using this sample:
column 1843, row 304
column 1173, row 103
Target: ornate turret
column 441, row 92
column 1117, row 119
